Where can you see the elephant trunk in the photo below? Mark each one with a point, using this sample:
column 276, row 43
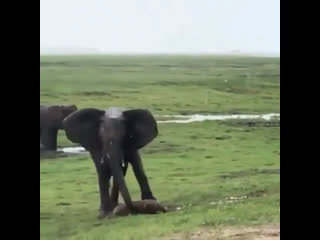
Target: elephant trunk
column 114, row 158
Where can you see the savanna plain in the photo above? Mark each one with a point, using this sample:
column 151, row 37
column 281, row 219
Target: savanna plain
column 221, row 178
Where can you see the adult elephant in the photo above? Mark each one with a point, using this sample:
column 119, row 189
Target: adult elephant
column 51, row 118
column 113, row 138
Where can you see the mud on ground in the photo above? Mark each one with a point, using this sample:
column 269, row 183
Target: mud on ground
column 267, row 232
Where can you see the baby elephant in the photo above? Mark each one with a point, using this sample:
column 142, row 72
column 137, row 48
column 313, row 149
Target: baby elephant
column 141, row 207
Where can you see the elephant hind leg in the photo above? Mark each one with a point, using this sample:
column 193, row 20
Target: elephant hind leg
column 134, row 158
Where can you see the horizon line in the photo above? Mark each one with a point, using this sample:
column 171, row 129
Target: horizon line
column 262, row 54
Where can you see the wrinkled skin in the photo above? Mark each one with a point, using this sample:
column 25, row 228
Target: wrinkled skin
column 51, row 118
column 113, row 138
column 142, row 207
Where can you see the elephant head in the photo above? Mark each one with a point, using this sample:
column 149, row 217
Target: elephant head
column 51, row 118
column 106, row 135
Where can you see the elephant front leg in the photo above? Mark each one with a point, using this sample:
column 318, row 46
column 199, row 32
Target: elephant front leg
column 104, row 175
column 115, row 189
column 105, row 200
column 134, row 158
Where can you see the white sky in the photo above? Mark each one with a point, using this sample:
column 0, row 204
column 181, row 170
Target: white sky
column 161, row 26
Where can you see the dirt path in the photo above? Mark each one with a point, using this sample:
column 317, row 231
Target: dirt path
column 268, row 232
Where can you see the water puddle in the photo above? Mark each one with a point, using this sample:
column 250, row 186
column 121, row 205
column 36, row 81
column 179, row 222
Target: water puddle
column 184, row 119
column 72, row 150
column 202, row 118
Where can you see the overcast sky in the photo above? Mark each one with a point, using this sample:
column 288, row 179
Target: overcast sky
column 161, row 26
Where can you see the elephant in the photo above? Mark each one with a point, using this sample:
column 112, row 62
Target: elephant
column 144, row 206
column 51, row 118
column 113, row 137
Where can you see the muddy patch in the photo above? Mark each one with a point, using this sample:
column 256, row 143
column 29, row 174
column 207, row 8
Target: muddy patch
column 253, row 123
column 266, row 232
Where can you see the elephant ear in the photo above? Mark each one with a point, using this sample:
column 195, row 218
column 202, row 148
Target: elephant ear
column 141, row 128
column 82, row 127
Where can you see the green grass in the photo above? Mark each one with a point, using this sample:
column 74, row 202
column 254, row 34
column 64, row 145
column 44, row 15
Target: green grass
column 164, row 84
column 199, row 164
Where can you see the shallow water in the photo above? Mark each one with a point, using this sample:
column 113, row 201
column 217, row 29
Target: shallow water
column 202, row 118
column 184, row 119
column 72, row 150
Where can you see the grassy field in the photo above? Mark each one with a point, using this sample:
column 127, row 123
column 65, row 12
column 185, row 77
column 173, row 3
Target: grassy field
column 163, row 84
column 196, row 166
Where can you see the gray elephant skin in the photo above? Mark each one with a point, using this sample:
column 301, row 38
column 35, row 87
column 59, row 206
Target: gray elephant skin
column 113, row 138
column 51, row 118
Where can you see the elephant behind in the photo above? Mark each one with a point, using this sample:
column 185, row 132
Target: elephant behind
column 51, row 118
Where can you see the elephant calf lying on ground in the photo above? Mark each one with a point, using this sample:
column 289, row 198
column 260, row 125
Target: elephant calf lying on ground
column 141, row 207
